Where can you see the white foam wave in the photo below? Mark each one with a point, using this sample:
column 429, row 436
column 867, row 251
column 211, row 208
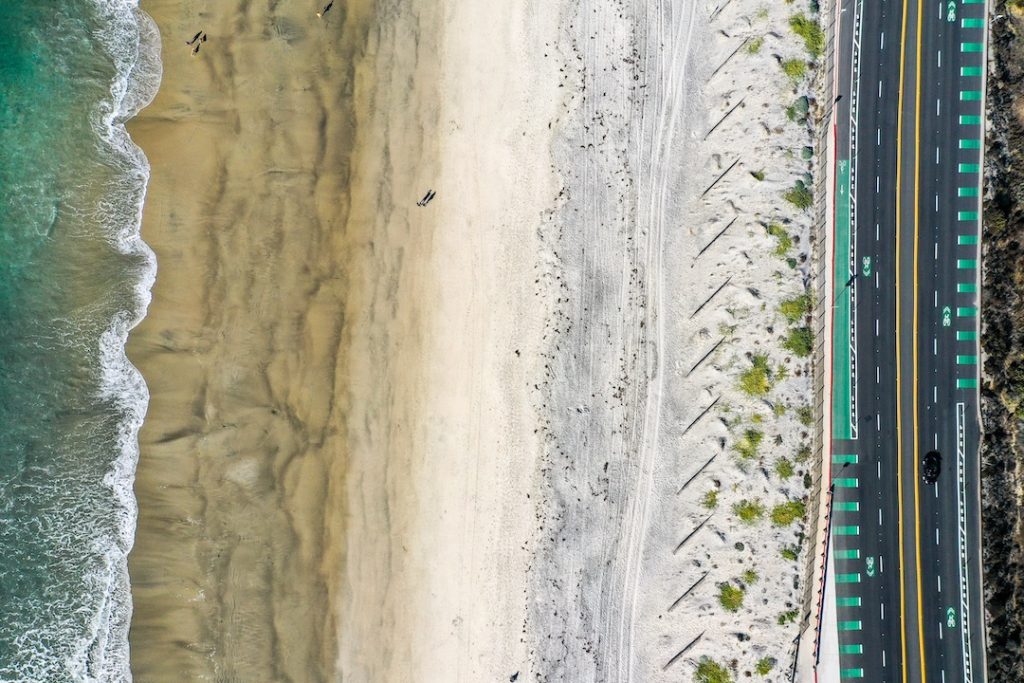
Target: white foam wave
column 132, row 40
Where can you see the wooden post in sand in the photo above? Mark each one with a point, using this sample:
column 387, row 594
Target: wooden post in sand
column 705, row 356
column 708, row 300
column 688, row 591
column 731, row 166
column 690, row 535
column 723, row 118
column 702, row 414
column 682, row 652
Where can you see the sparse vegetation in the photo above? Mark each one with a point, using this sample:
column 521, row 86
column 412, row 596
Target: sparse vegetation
column 805, row 414
column 758, row 175
column 749, row 511
column 810, row 31
column 786, row 513
column 790, row 553
column 754, row 46
column 710, row 671
column 803, row 453
column 787, row 617
column 749, row 577
column 765, row 666
column 796, row 69
column 757, row 379
column 710, row 499
column 783, row 242
column 784, row 468
column 730, row 596
column 779, row 409
column 799, row 340
column 799, row 195
column 749, row 443
column 796, row 308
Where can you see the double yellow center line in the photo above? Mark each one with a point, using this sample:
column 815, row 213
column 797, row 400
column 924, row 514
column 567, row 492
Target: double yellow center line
column 899, row 392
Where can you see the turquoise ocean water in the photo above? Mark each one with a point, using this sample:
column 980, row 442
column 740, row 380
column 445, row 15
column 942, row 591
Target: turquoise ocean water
column 74, row 278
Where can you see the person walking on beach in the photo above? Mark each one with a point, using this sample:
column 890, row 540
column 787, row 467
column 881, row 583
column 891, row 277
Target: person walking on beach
column 325, row 10
column 202, row 39
column 426, row 198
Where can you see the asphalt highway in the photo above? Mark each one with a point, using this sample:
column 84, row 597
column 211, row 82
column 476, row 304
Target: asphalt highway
column 907, row 553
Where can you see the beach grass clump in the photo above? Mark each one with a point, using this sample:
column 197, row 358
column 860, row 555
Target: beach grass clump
column 748, row 444
column 710, row 499
column 731, row 597
column 799, row 340
column 710, row 671
column 799, row 196
column 764, row 666
column 758, row 175
column 783, row 240
column 749, row 577
column 787, row 617
column 779, row 409
column 803, row 454
column 805, row 415
column 796, row 308
column 755, row 45
column 810, row 31
column 790, row 553
column 784, row 468
column 749, row 511
column 796, row 69
column 757, row 379
column 786, row 513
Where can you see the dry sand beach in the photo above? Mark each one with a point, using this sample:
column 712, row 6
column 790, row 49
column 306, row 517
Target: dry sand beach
column 391, row 443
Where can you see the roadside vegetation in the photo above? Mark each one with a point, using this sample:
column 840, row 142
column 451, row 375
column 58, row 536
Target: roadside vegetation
column 810, row 32
column 749, row 511
column 731, row 597
column 796, row 69
column 748, row 443
column 765, row 666
column 756, row 381
column 786, row 513
column 710, row 671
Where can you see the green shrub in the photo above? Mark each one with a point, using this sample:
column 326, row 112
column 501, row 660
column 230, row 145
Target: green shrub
column 750, row 577
column 710, row 499
column 786, row 513
column 796, row 308
column 754, row 46
column 710, row 671
column 758, row 175
column 790, row 553
column 787, row 617
column 756, row 380
column 731, row 597
column 805, row 414
column 749, row 511
column 799, row 196
column 765, row 665
column 803, row 454
column 810, row 31
column 796, row 69
column 748, row 444
column 799, row 340
column 783, row 242
column 784, row 468
column 779, row 409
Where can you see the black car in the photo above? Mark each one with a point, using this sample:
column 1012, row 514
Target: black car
column 931, row 466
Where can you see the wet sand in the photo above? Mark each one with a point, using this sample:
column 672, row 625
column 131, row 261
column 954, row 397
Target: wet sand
column 338, row 442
